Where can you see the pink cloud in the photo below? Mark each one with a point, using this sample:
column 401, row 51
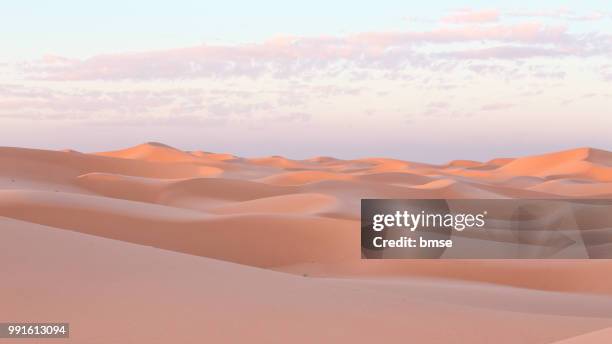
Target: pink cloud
column 564, row 14
column 298, row 56
column 87, row 101
column 472, row 16
column 148, row 106
column 505, row 52
column 496, row 106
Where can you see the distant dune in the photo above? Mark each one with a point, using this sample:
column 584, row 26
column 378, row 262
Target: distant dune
column 162, row 245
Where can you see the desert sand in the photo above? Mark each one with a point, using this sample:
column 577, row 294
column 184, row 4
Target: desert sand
column 152, row 244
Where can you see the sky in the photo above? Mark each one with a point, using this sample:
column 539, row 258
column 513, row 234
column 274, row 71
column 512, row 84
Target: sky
column 431, row 82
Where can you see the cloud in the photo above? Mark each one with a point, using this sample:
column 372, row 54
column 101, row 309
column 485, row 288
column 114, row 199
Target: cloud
column 294, row 117
column 606, row 72
column 472, row 16
column 496, row 106
column 546, row 72
column 28, row 102
column 506, row 52
column 562, row 13
column 180, row 106
column 14, row 97
column 236, row 109
column 438, row 105
column 438, row 109
column 288, row 57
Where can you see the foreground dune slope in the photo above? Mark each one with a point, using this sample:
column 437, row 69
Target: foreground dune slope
column 152, row 232
column 115, row 292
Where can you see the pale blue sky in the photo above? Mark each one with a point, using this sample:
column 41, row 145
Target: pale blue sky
column 83, row 28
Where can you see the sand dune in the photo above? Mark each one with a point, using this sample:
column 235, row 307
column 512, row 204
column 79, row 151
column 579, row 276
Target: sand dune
column 304, row 177
column 585, row 163
column 152, row 151
column 241, row 239
column 141, row 294
column 465, row 164
column 180, row 221
column 404, row 178
column 305, row 203
column 575, row 188
column 595, row 337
